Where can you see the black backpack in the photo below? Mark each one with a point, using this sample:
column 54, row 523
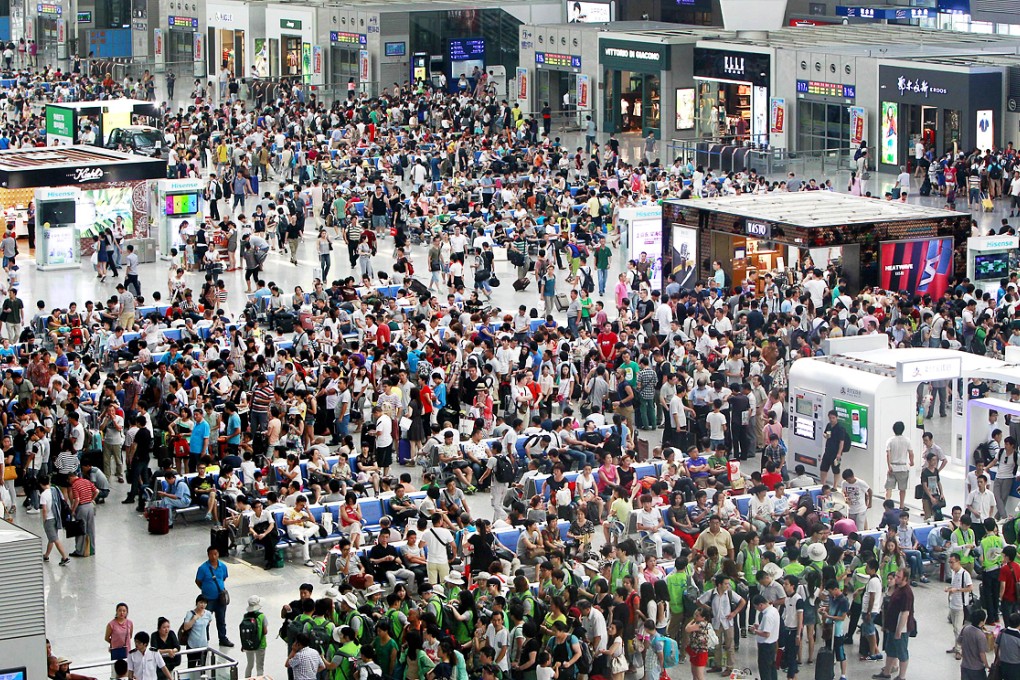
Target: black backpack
column 250, row 631
column 614, row 442
column 506, row 471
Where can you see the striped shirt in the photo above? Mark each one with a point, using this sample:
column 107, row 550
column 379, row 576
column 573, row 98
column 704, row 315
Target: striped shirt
column 66, row 462
column 305, row 664
column 261, row 398
column 83, row 490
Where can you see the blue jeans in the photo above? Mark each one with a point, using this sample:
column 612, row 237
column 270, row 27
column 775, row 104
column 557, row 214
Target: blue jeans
column 220, row 611
column 582, row 458
column 572, row 326
column 788, row 641
column 603, row 276
column 914, row 560
column 343, row 425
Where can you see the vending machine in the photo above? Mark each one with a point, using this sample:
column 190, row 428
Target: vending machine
column 177, row 206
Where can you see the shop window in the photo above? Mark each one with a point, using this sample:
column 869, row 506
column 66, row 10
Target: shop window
column 113, row 13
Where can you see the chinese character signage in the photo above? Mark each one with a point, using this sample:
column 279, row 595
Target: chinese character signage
column 823, row 89
column 858, row 121
column 583, row 92
column 522, row 85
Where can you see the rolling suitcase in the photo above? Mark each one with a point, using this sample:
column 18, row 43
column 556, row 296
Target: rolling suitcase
column 825, row 664
column 521, row 284
column 219, row 538
column 404, row 452
column 159, row 520
column 562, row 302
column 285, row 322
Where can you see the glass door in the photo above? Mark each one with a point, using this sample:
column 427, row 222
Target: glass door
column 290, row 64
column 609, row 105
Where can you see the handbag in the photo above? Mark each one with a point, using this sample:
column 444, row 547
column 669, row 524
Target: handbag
column 493, row 281
column 919, row 491
column 224, row 598
column 619, row 664
column 74, row 527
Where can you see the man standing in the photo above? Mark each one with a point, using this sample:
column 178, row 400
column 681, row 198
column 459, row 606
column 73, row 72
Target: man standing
column 837, row 440
column 603, row 255
column 897, row 619
column 131, row 273
column 899, row 457
column 211, row 579
column 112, row 427
column 767, row 633
column 144, row 662
column 793, row 625
column 13, row 313
column 723, row 605
column 960, row 591
column 304, row 662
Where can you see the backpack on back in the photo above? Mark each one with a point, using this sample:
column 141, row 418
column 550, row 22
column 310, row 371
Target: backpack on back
column 506, row 471
column 250, row 631
column 670, row 652
column 321, row 635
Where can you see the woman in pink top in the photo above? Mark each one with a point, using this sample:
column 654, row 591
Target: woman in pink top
column 119, row 633
column 608, row 477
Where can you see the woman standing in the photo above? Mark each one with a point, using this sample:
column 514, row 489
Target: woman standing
column 120, row 632
column 698, row 646
column 415, row 412
column 165, row 641
column 325, row 248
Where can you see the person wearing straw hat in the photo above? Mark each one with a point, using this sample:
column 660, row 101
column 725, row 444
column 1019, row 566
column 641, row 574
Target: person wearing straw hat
column 253, row 637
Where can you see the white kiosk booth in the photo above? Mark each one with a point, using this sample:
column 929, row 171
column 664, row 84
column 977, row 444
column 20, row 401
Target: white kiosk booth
column 173, row 202
column 990, row 259
column 870, row 390
column 641, row 232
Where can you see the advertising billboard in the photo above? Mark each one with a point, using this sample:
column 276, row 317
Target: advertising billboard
column 644, row 238
column 588, row 12
column 923, row 267
column 685, row 108
column 854, row 417
column 99, row 209
column 890, row 139
column 685, row 255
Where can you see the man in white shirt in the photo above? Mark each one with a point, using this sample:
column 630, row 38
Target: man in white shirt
column 594, row 623
column 981, row 503
column 766, row 631
column 436, row 540
column 144, row 663
column 383, row 439
column 723, row 605
column 899, row 456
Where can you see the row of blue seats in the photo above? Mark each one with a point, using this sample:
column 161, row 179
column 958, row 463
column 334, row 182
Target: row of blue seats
column 372, row 510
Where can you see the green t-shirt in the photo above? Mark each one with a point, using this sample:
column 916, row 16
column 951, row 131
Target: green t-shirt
column 602, row 256
column 384, row 655
column 630, row 371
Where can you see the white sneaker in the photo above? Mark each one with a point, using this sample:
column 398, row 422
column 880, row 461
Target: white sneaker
column 32, row 511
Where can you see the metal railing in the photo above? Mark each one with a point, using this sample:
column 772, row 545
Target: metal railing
column 716, row 155
column 221, row 667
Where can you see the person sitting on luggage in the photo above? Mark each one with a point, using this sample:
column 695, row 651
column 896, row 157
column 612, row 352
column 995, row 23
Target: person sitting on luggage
column 175, row 494
column 301, row 526
column 203, row 490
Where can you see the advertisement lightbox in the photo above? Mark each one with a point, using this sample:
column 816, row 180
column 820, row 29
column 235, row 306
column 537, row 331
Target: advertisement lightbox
column 922, row 267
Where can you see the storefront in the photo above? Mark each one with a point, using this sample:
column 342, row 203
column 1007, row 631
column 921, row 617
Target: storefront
column 633, row 85
column 732, row 97
column 945, row 106
column 347, row 51
column 47, row 25
column 291, row 33
column 65, row 122
column 885, row 244
column 79, row 192
column 230, row 38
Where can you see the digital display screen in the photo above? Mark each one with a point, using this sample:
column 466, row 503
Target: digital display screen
column 350, row 38
column 181, row 204
column 56, row 212
column 396, row 49
column 804, row 427
column 805, row 407
column 467, row 49
column 588, row 12
column 823, row 89
column 991, row 267
column 183, row 22
column 553, row 59
column 12, row 674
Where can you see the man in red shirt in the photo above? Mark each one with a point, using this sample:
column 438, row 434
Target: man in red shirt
column 607, row 340
column 83, row 508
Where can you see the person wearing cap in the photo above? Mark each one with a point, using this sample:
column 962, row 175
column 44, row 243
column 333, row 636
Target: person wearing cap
column 256, row 657
column 143, row 662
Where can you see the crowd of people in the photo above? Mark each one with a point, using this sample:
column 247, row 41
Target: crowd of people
column 412, row 364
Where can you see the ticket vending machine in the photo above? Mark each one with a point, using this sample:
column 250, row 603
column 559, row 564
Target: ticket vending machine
column 56, row 231
column 807, row 423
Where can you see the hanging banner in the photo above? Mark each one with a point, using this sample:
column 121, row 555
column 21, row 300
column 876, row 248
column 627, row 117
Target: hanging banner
column 157, row 41
column 61, row 32
column 858, row 121
column 316, row 59
column 364, row 68
column 261, row 58
column 199, row 47
column 522, row 84
column 583, row 91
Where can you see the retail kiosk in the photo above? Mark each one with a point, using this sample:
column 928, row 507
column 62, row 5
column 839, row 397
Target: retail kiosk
column 880, row 243
column 870, row 391
column 990, row 259
column 78, row 191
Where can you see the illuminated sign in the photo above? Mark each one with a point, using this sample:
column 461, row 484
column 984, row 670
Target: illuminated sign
column 183, row 22
column 885, row 13
column 341, row 38
column 552, row 59
column 928, row 369
column 396, row 49
column 762, row 230
column 292, row 24
column 84, row 17
column 467, row 49
column 822, row 89
column 49, row 8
